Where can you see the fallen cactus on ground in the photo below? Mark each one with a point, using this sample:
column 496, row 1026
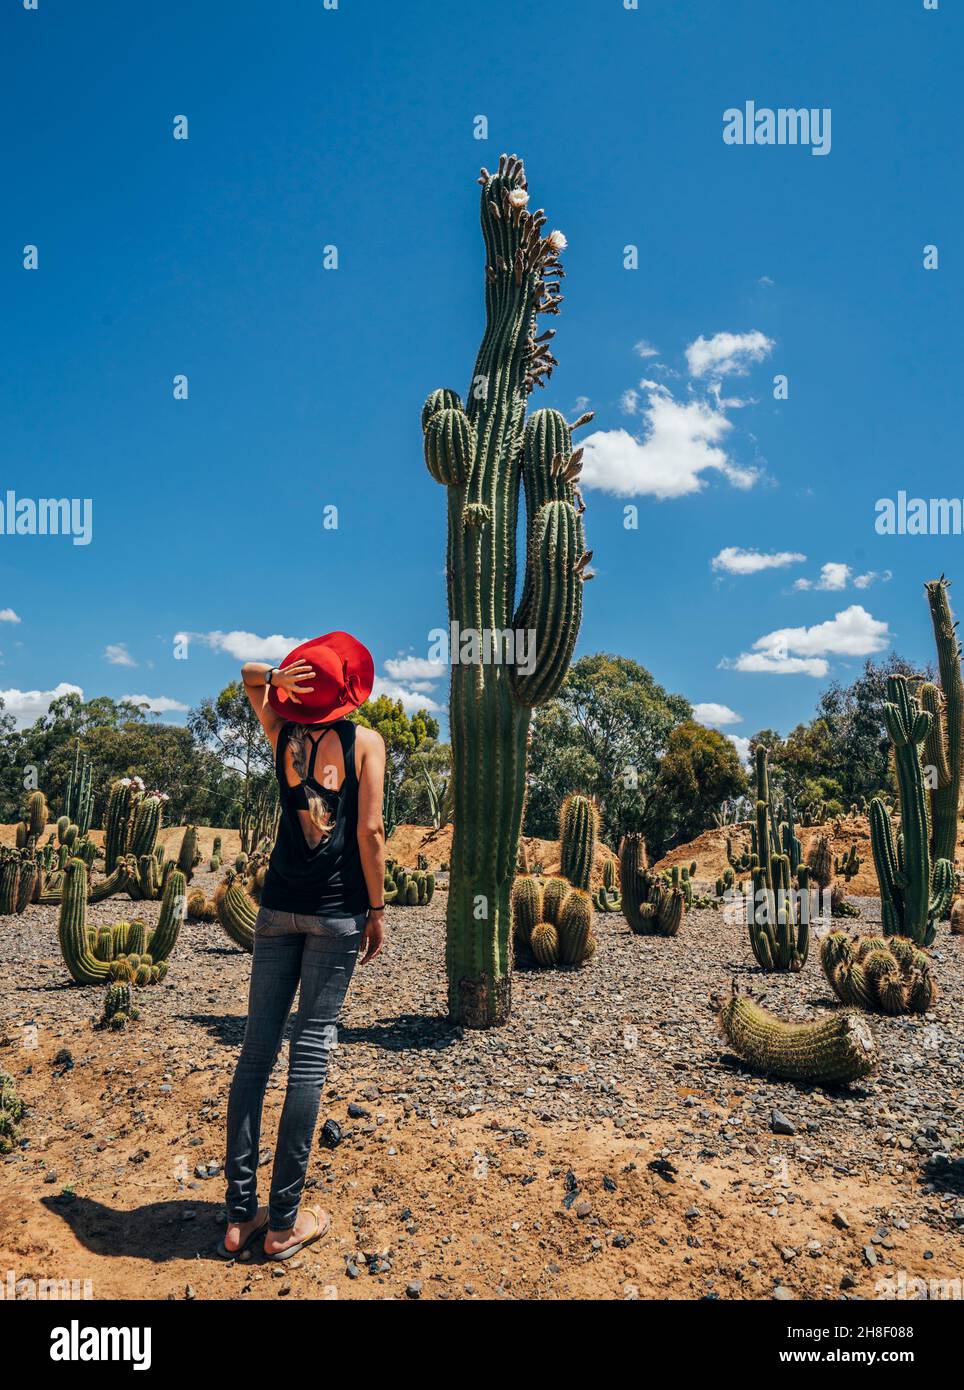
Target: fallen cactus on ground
column 883, row 974
column 839, row 1047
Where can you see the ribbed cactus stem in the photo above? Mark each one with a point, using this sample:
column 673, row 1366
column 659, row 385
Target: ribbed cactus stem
column 72, row 928
column 578, row 827
column 947, row 749
column 173, row 906
column 475, row 452
column 837, row 1048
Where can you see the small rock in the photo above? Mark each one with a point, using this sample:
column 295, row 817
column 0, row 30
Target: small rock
column 779, row 1123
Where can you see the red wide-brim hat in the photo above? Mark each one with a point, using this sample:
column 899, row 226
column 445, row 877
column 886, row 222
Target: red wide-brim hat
column 344, row 674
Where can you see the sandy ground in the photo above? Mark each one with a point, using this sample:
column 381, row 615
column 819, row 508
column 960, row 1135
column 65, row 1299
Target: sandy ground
column 603, row 1145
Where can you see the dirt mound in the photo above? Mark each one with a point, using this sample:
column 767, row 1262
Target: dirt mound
column 709, row 850
column 407, row 842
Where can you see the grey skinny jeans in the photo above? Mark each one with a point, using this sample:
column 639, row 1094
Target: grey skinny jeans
column 320, row 954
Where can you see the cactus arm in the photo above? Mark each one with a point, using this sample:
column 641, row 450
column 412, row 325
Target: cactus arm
column 72, row 928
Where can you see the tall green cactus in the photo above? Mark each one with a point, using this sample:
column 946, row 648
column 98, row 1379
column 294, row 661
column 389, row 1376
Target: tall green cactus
column 945, row 742
column 578, row 828
column 913, row 894
column 478, row 452
column 79, row 801
column 778, row 915
column 173, row 905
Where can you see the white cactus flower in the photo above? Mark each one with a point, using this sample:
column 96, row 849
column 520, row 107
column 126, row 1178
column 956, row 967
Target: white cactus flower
column 518, row 198
column 557, row 241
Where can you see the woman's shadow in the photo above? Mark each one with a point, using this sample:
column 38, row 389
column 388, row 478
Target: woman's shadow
column 157, row 1231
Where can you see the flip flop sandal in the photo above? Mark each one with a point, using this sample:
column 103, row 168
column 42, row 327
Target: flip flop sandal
column 318, row 1233
column 227, row 1254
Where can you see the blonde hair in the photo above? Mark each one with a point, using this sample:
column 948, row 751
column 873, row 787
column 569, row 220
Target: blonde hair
column 300, row 746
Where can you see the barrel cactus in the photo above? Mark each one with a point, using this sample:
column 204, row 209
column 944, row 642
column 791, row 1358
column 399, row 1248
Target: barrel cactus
column 479, row 452
column 915, row 892
column 883, row 974
column 837, row 1048
column 237, row 913
column 578, row 828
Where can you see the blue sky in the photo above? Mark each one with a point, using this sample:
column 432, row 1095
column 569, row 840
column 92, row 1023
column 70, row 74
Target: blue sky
column 354, row 127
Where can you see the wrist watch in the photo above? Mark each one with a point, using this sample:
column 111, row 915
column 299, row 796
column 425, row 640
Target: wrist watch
column 268, row 674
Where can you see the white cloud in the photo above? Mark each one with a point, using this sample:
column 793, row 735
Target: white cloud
column 28, row 705
column 864, row 581
column 734, row 560
column 118, row 655
column 629, row 401
column 412, row 699
column 835, row 576
column 413, row 668
column 681, row 441
column 7, row 615
column 765, row 281
column 645, row 349
column 156, row 704
column 803, row 650
column 742, row 746
column 713, row 715
column 727, row 354
column 245, row 646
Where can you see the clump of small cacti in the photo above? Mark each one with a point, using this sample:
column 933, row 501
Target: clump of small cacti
column 651, row 904
column 578, row 828
column 408, row 887
column 607, row 899
column 552, row 921
column 118, row 1007
column 131, row 822
column 884, row 974
column 839, row 1047
column 200, row 908
column 847, row 865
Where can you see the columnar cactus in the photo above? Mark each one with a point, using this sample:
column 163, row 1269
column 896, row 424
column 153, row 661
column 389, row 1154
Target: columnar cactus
column 913, row 894
column 578, row 828
column 9, row 883
column 37, row 814
column 836, row 1048
column 72, row 928
column 778, row 914
column 820, row 862
column 943, row 751
column 189, row 853
column 79, row 801
column 475, row 452
column 884, row 974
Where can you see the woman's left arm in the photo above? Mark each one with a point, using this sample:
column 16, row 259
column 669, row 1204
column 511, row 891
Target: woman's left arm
column 371, row 836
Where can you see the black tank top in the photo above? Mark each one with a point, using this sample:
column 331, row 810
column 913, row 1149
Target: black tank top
column 327, row 881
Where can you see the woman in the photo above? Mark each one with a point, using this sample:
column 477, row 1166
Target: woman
column 321, row 906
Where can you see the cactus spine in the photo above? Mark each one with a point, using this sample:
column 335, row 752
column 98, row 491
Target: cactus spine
column 578, row 828
column 913, row 895
column 475, row 453
column 839, row 1047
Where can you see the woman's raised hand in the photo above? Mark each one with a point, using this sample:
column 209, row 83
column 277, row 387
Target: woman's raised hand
column 291, row 678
